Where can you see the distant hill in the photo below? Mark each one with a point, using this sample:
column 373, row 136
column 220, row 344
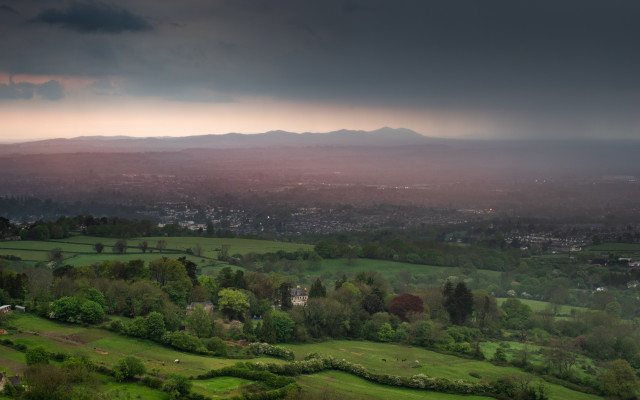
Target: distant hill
column 111, row 144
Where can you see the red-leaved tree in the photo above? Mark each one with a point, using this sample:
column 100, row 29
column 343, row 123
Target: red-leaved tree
column 405, row 304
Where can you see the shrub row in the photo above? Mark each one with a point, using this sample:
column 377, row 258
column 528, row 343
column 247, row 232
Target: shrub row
column 17, row 346
column 271, row 350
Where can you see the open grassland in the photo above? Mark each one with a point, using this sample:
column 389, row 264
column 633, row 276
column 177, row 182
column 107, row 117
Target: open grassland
column 533, row 354
column 623, row 247
column 120, row 390
column 222, row 386
column 210, row 246
column 389, row 269
column 78, row 250
column 88, row 259
column 336, row 383
column 537, row 305
column 11, row 360
column 106, row 348
column 371, row 355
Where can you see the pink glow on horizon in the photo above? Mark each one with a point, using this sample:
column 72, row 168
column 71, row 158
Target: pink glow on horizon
column 121, row 115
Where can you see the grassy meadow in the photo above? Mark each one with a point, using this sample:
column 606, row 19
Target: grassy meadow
column 106, row 348
column 78, row 250
column 103, row 347
column 537, row 305
column 337, row 383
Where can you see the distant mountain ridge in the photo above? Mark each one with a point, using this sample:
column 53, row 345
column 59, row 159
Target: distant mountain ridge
column 383, row 137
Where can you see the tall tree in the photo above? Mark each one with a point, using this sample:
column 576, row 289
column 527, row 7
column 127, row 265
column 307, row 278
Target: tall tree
column 233, row 303
column 144, row 245
column 459, row 303
column 120, row 246
column 619, row 379
column 284, row 295
column 199, row 321
column 317, row 289
column 405, row 304
column 161, row 245
column 267, row 331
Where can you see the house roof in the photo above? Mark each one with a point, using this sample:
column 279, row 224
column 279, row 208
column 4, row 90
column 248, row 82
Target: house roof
column 204, row 304
column 14, row 380
column 298, row 292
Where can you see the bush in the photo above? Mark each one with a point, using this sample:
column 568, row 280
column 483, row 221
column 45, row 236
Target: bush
column 217, row 346
column 153, row 383
column 116, row 326
column 127, row 368
column 181, row 340
column 177, row 386
column 37, row 355
column 274, row 351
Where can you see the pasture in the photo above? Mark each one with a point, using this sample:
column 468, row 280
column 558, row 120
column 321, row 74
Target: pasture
column 222, row 385
column 618, row 247
column 390, row 270
column 537, row 305
column 352, row 387
column 78, row 250
column 106, row 348
column 371, row 355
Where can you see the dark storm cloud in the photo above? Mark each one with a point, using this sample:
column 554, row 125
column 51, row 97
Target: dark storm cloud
column 94, row 17
column 51, row 90
column 7, row 9
column 542, row 60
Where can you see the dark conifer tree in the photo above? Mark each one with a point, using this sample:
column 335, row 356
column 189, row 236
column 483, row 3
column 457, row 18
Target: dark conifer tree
column 284, row 294
column 458, row 303
column 317, row 289
column 267, row 331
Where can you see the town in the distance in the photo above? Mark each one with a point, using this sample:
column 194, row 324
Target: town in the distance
column 341, row 265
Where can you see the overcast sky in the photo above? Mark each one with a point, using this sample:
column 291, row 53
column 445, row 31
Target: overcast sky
column 449, row 68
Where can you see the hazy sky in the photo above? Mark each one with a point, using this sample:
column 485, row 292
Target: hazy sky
column 451, row 68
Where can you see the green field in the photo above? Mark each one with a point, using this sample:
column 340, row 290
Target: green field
column 537, row 305
column 624, row 247
column 210, row 246
column 220, row 386
column 334, row 268
column 121, row 390
column 351, row 387
column 78, row 250
column 106, row 348
column 371, row 356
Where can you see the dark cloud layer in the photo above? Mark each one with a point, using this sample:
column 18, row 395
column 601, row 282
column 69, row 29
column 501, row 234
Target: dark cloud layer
column 7, row 9
column 572, row 63
column 51, row 90
column 94, row 17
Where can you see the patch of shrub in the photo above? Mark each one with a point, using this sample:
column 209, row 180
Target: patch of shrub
column 153, row 383
column 271, row 350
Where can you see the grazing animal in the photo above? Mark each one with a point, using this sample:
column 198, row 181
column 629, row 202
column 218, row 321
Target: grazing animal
column 176, row 361
column 384, row 359
column 404, row 359
column 417, row 362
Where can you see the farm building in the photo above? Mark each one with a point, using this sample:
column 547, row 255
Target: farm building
column 207, row 305
column 4, row 379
